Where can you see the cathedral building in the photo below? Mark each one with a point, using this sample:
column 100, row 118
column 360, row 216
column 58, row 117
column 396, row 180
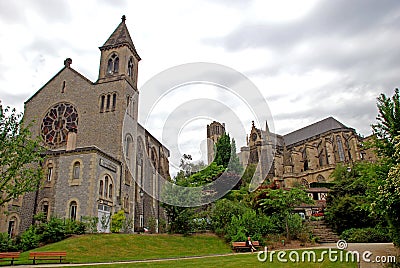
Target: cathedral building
column 306, row 156
column 93, row 166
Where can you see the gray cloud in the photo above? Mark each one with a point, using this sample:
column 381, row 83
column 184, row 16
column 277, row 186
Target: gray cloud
column 12, row 100
column 329, row 18
column 115, row 3
column 52, row 11
column 356, row 40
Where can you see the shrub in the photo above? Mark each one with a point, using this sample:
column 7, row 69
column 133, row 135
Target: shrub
column 183, row 223
column 52, row 231
column 90, row 224
column 74, row 227
column 295, row 225
column 347, row 212
column 117, row 220
column 222, row 212
column 250, row 223
column 152, row 223
column 6, row 243
column 162, row 225
column 29, row 239
column 365, row 235
column 127, row 226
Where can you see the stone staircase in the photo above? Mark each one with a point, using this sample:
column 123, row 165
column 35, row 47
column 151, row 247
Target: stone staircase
column 321, row 230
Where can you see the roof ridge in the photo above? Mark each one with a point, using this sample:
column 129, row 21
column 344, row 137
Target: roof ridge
column 316, row 123
column 319, row 127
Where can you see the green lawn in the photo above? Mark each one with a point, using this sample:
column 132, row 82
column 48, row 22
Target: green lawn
column 237, row 260
column 120, row 247
column 123, row 247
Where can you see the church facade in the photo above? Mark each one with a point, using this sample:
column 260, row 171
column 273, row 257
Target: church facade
column 306, row 156
column 93, row 166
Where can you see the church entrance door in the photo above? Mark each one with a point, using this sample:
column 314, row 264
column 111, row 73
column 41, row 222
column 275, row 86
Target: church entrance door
column 103, row 213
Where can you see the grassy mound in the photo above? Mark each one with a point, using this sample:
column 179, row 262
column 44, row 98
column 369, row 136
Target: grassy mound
column 123, row 247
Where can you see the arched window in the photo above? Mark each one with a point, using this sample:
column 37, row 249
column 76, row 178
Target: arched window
column 114, row 101
column 116, row 65
column 305, row 159
column 108, row 102
column 110, row 191
column 106, row 186
column 73, row 210
column 128, row 146
column 102, row 101
column 113, row 64
column 12, row 227
column 321, row 178
column 49, row 172
column 340, row 148
column 305, row 183
column 77, row 170
column 110, row 66
column 45, row 208
column 130, row 67
column 101, row 188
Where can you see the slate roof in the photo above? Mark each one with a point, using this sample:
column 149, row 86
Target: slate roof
column 275, row 138
column 317, row 128
column 120, row 37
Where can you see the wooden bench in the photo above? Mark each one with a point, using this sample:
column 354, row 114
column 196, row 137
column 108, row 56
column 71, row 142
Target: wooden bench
column 9, row 256
column 242, row 245
column 46, row 255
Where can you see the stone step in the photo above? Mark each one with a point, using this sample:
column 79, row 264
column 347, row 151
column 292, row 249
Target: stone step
column 323, row 232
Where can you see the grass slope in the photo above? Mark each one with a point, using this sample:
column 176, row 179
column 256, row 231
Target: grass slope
column 122, row 247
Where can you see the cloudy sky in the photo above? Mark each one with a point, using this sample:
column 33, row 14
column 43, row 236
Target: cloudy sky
column 309, row 59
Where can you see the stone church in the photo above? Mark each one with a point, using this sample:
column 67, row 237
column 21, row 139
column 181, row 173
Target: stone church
column 306, row 156
column 93, row 167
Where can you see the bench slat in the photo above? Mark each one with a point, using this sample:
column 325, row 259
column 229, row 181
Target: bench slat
column 9, row 256
column 242, row 245
column 47, row 255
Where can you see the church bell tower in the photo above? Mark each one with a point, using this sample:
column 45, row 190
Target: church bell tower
column 119, row 58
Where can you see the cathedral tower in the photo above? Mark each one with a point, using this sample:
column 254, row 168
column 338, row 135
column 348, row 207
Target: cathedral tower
column 214, row 131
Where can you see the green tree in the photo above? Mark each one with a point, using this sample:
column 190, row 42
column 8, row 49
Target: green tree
column 388, row 201
column 223, row 147
column 282, row 202
column 354, row 190
column 234, row 165
column 19, row 157
column 387, row 132
column 388, row 125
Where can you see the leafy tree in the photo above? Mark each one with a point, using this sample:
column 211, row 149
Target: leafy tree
column 223, row 154
column 19, row 157
column 387, row 132
column 388, row 125
column 183, row 193
column 234, row 165
column 388, row 201
column 354, row 190
column 222, row 212
column 282, row 202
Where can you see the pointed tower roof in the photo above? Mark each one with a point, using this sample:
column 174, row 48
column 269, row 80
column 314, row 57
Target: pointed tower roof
column 120, row 37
